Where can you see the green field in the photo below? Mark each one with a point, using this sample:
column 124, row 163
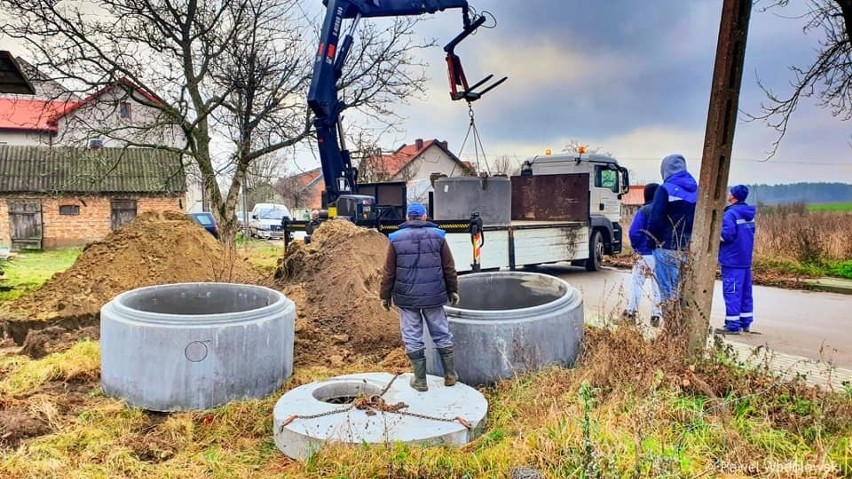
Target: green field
column 830, row 207
column 29, row 270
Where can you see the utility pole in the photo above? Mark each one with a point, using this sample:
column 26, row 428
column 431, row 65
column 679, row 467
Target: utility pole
column 715, row 166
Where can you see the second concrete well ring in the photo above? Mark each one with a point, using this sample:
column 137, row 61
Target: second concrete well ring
column 510, row 323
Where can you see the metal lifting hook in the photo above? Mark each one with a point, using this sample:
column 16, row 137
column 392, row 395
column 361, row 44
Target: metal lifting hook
column 459, row 88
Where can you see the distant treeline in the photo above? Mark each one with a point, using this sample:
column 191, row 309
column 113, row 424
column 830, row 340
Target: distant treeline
column 800, row 193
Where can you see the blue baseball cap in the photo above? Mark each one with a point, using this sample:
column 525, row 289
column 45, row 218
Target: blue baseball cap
column 416, row 210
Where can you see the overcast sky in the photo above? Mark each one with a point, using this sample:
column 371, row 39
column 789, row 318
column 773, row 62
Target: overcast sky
column 632, row 76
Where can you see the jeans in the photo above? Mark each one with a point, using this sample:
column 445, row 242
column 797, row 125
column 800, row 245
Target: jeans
column 411, row 323
column 667, row 269
column 643, row 270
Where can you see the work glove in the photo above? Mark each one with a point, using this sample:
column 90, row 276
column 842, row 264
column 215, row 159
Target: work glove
column 386, row 305
column 454, row 299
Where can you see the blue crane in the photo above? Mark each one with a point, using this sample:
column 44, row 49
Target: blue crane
column 341, row 178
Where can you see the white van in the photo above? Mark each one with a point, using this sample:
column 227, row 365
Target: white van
column 265, row 220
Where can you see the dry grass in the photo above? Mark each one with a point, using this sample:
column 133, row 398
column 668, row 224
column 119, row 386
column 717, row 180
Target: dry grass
column 631, row 408
column 796, row 235
column 791, row 239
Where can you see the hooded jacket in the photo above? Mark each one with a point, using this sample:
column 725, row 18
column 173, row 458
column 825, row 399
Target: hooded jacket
column 419, row 270
column 673, row 209
column 639, row 239
column 738, row 230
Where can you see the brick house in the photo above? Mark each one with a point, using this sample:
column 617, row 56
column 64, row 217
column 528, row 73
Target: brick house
column 302, row 191
column 64, row 196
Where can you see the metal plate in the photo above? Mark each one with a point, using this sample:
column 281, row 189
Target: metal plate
column 562, row 197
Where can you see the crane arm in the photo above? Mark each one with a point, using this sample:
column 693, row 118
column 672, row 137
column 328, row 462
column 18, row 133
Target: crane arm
column 338, row 173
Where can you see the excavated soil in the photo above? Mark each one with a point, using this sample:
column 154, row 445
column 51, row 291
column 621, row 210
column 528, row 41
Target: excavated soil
column 155, row 248
column 41, row 342
column 335, row 282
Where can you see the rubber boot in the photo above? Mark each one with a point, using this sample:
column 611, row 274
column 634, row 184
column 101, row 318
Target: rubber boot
column 448, row 363
column 418, row 364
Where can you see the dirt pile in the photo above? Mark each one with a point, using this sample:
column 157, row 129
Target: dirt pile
column 335, row 282
column 41, row 342
column 155, row 248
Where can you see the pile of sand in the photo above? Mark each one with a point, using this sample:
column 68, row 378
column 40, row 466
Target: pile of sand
column 335, row 282
column 155, row 248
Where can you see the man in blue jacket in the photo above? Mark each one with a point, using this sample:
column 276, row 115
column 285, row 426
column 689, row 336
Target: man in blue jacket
column 420, row 276
column 643, row 267
column 670, row 224
column 735, row 253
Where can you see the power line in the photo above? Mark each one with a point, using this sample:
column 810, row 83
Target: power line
column 750, row 160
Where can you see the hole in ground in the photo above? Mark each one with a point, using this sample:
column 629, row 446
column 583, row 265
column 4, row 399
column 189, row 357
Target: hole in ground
column 344, row 392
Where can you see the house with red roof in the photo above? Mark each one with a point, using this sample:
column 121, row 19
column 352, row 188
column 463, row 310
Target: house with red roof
column 302, row 191
column 633, row 200
column 115, row 115
column 414, row 164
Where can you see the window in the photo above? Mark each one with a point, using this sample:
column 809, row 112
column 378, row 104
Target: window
column 69, row 210
column 606, row 178
column 124, row 110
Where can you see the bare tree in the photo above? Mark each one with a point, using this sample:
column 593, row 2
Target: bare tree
column 234, row 69
column 506, row 165
column 574, row 145
column 294, row 192
column 829, row 77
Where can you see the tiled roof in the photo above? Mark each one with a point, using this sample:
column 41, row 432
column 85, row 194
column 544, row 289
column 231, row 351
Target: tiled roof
column 636, row 196
column 390, row 165
column 32, row 115
column 43, row 169
column 42, row 115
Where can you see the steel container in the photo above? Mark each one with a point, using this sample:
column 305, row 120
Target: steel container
column 456, row 198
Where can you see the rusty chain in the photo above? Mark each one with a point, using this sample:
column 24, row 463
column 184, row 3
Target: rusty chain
column 371, row 404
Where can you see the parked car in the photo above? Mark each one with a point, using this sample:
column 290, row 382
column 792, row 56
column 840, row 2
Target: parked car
column 265, row 220
column 242, row 218
column 207, row 221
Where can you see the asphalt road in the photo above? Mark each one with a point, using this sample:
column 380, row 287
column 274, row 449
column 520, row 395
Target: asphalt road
column 811, row 324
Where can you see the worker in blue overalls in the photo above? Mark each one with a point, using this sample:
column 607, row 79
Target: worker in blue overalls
column 735, row 254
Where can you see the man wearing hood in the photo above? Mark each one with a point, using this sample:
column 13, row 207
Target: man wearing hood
column 735, row 253
column 420, row 276
column 670, row 224
column 643, row 268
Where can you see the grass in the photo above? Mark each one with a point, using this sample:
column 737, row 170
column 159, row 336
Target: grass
column 263, row 255
column 583, row 422
column 29, row 270
column 839, row 207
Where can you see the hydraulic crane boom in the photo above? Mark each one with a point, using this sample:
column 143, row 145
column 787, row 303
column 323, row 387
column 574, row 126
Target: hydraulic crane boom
column 340, row 176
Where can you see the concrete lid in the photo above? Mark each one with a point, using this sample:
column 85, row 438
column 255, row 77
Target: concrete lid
column 301, row 436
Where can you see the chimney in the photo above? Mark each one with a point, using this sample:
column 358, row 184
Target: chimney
column 445, row 145
column 419, row 143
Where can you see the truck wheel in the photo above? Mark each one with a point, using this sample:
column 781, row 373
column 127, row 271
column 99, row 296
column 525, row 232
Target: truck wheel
column 596, row 252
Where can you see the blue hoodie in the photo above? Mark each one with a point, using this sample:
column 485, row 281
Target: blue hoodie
column 737, row 236
column 673, row 209
column 639, row 239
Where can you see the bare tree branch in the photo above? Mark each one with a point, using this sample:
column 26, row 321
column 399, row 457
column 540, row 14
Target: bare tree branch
column 829, row 77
